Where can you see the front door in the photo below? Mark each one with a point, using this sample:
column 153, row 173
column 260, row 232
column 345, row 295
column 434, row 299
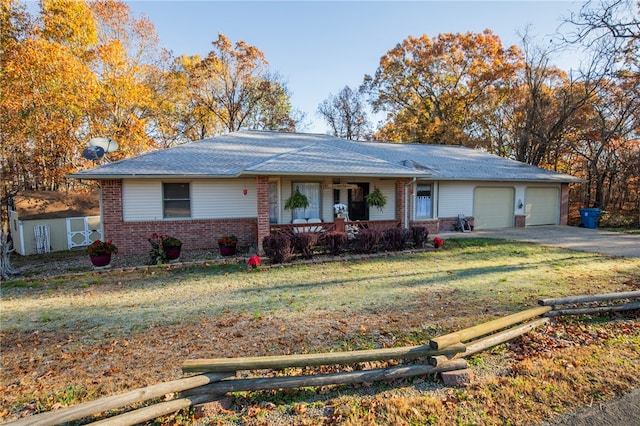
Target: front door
column 358, row 209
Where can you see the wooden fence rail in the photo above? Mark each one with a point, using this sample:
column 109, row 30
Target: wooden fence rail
column 442, row 353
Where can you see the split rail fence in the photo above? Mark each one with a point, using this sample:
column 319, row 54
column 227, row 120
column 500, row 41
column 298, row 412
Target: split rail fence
column 214, row 377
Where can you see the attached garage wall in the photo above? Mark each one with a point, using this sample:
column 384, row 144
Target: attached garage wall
column 455, row 199
column 493, row 207
column 542, row 206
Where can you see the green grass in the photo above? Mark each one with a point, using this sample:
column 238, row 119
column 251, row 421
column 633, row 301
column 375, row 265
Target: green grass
column 507, row 276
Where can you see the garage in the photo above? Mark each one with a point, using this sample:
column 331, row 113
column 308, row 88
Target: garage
column 493, row 207
column 542, row 206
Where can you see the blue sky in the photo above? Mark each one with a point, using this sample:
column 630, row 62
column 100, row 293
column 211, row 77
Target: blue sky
column 318, row 47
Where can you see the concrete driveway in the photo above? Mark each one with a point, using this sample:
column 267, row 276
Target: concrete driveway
column 570, row 237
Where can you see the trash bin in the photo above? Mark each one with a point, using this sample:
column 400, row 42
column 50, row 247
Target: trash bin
column 590, row 217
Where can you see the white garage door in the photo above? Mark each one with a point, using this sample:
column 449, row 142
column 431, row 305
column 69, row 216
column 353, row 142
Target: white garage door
column 542, row 206
column 493, row 208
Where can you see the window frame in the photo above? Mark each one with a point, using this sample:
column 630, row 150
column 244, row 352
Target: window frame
column 303, row 213
column 166, row 198
column 430, row 203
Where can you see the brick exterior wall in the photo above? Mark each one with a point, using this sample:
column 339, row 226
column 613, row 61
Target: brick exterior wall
column 263, row 228
column 401, row 206
column 132, row 237
column 564, row 204
column 520, row 221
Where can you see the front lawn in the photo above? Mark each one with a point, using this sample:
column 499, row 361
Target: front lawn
column 79, row 337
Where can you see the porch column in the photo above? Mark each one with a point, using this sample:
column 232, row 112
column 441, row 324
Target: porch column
column 402, row 194
column 264, row 229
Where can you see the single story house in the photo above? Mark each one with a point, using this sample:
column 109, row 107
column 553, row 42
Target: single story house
column 238, row 183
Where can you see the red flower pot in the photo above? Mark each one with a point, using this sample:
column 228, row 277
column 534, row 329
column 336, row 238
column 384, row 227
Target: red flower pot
column 227, row 251
column 100, row 260
column 172, row 252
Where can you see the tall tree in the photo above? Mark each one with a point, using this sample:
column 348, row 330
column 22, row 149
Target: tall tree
column 126, row 61
column 432, row 89
column 234, row 86
column 47, row 87
column 345, row 114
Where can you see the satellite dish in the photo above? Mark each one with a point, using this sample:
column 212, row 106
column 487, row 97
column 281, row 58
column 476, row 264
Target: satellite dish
column 93, row 152
column 108, row 145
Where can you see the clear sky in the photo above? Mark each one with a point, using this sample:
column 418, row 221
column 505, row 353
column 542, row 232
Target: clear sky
column 318, row 47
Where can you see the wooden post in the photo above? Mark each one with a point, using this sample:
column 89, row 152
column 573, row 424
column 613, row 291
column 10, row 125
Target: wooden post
column 359, row 376
column 480, row 345
column 86, row 409
column 594, row 309
column 302, row 360
column 487, row 327
column 339, row 221
column 590, row 298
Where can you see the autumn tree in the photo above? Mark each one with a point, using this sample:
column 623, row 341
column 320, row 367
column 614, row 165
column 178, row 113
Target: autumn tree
column 231, row 88
column 346, row 115
column 127, row 63
column 433, row 90
column 47, row 87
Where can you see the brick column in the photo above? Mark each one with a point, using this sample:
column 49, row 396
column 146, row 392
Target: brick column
column 401, row 202
column 564, row 203
column 111, row 193
column 264, row 228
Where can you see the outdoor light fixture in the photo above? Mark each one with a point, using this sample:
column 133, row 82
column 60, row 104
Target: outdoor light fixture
column 520, row 205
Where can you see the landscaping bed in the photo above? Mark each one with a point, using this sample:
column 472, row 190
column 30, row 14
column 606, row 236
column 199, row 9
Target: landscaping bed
column 74, row 337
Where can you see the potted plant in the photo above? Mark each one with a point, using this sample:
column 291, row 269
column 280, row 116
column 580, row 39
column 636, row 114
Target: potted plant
column 340, row 209
column 227, row 244
column 164, row 248
column 297, row 200
column 100, row 252
column 376, row 199
column 172, row 247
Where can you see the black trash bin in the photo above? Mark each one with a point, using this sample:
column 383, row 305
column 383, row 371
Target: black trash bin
column 590, row 217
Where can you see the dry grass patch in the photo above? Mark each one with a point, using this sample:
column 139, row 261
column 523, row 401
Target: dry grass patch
column 77, row 337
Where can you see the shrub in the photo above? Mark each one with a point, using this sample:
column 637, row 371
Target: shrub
column 304, row 242
column 159, row 244
column 419, row 236
column 395, row 239
column 367, row 241
column 336, row 242
column 278, row 248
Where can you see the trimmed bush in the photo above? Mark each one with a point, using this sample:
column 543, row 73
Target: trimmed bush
column 395, row 239
column 278, row 248
column 419, row 236
column 304, row 242
column 367, row 241
column 336, row 242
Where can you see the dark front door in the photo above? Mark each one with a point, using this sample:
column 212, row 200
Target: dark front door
column 358, row 209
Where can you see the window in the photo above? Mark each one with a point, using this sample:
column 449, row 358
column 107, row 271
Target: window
column 312, row 191
column 273, row 202
column 176, row 200
column 423, row 201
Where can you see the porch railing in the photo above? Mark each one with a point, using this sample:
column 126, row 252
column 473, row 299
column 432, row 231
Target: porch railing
column 351, row 227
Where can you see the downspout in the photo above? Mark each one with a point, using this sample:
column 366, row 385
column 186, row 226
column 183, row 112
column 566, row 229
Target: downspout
column 406, row 202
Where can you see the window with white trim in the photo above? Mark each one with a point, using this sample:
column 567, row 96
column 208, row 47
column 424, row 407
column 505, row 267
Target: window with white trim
column 312, row 191
column 424, row 201
column 176, row 200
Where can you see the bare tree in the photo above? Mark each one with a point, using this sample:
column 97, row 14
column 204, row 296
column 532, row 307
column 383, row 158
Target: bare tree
column 346, row 115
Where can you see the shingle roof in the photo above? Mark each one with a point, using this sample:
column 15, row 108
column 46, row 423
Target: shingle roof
column 248, row 153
